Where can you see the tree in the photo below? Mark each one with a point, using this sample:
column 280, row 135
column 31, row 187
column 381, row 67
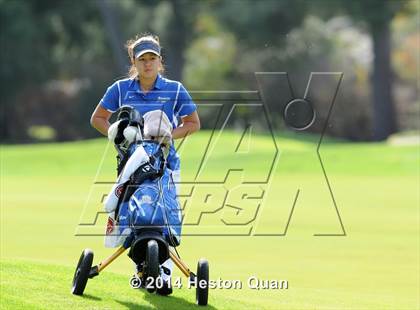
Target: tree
column 42, row 40
column 378, row 14
column 174, row 23
column 260, row 30
column 256, row 23
column 110, row 16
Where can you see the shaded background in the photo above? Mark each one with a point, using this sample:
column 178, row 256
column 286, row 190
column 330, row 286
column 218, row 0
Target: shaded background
column 58, row 58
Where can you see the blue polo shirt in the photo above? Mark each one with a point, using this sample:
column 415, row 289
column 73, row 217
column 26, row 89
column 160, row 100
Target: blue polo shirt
column 169, row 96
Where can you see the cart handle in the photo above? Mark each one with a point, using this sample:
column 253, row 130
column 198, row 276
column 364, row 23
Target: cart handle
column 181, row 265
column 101, row 266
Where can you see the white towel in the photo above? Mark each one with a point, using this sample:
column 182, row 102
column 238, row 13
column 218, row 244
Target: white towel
column 156, row 124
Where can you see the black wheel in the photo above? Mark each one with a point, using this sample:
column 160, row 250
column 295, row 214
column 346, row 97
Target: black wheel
column 81, row 275
column 152, row 264
column 202, row 289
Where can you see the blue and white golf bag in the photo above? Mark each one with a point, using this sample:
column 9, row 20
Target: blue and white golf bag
column 144, row 194
column 146, row 199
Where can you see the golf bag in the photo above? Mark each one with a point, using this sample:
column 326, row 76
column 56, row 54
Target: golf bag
column 143, row 196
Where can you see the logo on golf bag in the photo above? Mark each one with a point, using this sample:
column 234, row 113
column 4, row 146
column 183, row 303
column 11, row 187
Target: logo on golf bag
column 146, row 168
column 110, row 225
column 119, row 190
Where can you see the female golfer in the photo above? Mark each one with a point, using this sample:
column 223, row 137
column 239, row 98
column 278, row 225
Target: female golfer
column 146, row 90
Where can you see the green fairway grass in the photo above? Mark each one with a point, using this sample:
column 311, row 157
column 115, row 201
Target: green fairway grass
column 22, row 280
column 47, row 190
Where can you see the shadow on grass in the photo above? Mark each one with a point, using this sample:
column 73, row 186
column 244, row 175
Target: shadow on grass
column 87, row 296
column 132, row 305
column 165, row 302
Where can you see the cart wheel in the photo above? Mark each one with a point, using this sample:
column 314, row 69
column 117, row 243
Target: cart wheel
column 81, row 275
column 152, row 265
column 202, row 289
